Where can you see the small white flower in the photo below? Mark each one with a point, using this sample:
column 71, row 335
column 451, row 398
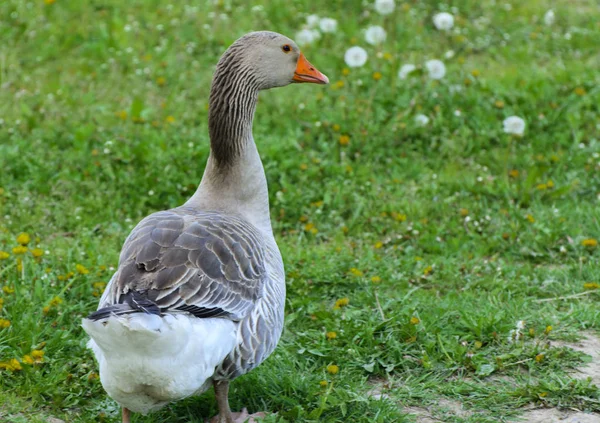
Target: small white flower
column 436, row 69
column 355, row 57
column 421, row 120
column 521, row 325
column 375, row 35
column 443, row 21
column 384, row 7
column 312, row 20
column 405, row 70
column 305, row 36
column 549, row 17
column 449, row 54
column 328, row 25
column 514, row 125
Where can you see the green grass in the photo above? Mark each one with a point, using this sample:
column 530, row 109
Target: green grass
column 457, row 219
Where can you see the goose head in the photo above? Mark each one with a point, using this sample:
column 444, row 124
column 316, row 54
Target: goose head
column 270, row 60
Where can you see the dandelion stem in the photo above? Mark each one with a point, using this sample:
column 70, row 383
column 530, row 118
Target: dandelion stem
column 566, row 297
column 379, row 306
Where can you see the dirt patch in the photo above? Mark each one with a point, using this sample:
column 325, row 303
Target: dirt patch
column 444, row 407
column 552, row 415
column 590, row 346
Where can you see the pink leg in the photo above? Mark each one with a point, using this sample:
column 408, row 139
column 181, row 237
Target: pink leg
column 126, row 415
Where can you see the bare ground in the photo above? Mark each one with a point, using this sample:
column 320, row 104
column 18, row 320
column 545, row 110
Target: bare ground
column 590, row 346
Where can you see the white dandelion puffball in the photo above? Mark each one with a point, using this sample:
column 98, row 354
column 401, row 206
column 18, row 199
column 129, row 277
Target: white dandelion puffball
column 355, row 57
column 405, row 70
column 421, row 120
column 328, row 25
column 443, row 21
column 514, row 125
column 549, row 17
column 312, row 20
column 384, row 7
column 375, row 35
column 305, row 36
column 435, row 68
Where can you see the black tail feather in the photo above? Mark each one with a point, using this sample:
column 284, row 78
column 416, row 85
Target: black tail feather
column 132, row 302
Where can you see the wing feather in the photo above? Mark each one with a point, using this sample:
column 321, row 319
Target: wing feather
column 205, row 263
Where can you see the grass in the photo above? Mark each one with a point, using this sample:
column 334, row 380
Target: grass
column 441, row 237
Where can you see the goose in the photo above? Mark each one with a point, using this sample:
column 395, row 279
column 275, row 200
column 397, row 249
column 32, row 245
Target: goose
column 198, row 296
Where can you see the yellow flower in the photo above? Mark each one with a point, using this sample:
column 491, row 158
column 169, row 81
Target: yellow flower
column 587, row 285
column 400, row 217
column 309, row 226
column 530, row 218
column 590, row 243
column 378, row 245
column 55, row 301
column 414, row 320
column 7, row 289
column 464, row 212
column 333, row 369
column 376, row 279
column 544, row 394
column 4, row 323
column 92, row 376
column 1, row 303
column 99, row 285
column 19, row 265
column 12, row 365
column 161, row 81
column 331, row 335
column 21, row 249
column 28, row 360
column 122, row 115
column 548, row 329
column 345, row 71
column 37, row 355
column 170, row 119
column 4, row 255
column 336, row 127
column 539, row 357
column 37, row 252
column 82, row 270
column 356, row 272
column 342, row 302
column 428, row 270
column 387, row 56
column 339, row 84
column 499, row 104
column 580, row 91
column 475, row 73
column 478, row 344
column 541, row 187
column 303, row 166
column 46, row 309
column 377, row 76
column 49, row 2
column 513, row 173
column 23, row 238
column 323, row 384
column 344, row 140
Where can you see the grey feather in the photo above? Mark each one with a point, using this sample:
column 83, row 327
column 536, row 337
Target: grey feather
column 207, row 263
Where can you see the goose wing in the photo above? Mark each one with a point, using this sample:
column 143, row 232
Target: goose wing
column 206, row 263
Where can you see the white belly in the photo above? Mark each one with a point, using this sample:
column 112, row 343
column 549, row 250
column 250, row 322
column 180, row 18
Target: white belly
column 147, row 361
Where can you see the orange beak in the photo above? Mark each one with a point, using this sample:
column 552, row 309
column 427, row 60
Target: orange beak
column 305, row 72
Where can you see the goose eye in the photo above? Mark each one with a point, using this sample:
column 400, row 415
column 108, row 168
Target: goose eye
column 286, row 48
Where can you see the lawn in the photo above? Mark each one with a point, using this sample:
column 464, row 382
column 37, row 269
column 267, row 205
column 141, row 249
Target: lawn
column 427, row 258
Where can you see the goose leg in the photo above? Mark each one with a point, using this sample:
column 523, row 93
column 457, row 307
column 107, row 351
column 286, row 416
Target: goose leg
column 225, row 414
column 222, row 393
column 126, row 415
